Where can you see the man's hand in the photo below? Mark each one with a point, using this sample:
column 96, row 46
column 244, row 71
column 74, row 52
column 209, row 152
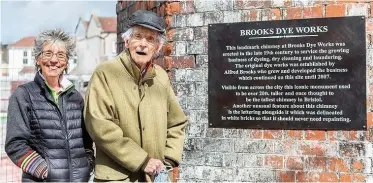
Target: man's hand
column 154, row 166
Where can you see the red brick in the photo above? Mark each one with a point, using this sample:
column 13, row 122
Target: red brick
column 328, row 177
column 369, row 25
column 272, row 14
column 358, row 177
column 175, row 174
column 295, row 134
column 250, row 15
column 187, row 6
column 168, row 62
column 353, row 135
column 357, row 166
column 313, row 12
column 170, row 34
column 286, row 176
column 314, row 135
column 359, row 135
column 316, row 163
column 272, row 134
column 293, row 13
column 345, row 177
column 172, row 8
column 274, row 162
column 335, row 10
column 338, row 165
column 349, row 177
column 183, row 62
column 168, row 21
column 167, row 49
column 294, row 163
column 307, row 177
column 310, row 149
column 275, row 14
column 160, row 62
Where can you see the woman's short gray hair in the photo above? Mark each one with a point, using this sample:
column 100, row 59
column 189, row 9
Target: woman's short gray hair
column 54, row 36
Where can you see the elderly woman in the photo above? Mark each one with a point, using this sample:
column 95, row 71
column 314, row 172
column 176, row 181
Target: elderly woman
column 46, row 136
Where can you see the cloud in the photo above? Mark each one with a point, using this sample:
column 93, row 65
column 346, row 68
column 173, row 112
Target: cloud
column 20, row 19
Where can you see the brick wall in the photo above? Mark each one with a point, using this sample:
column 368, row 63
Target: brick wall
column 254, row 155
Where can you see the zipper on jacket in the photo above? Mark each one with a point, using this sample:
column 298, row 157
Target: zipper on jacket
column 64, row 126
column 64, row 121
column 64, row 130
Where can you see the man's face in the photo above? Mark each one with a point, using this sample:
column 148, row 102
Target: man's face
column 142, row 45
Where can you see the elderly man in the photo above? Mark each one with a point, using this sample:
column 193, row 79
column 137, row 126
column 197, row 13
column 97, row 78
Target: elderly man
column 131, row 111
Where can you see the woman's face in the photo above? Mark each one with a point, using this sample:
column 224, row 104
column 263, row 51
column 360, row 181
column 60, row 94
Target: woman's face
column 53, row 60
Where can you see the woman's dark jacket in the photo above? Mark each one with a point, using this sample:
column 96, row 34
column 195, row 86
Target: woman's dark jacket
column 56, row 132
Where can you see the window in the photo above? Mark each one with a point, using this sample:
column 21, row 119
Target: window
column 75, row 60
column 25, row 61
column 114, row 47
column 25, row 53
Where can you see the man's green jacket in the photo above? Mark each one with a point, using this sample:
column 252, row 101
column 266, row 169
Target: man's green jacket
column 131, row 118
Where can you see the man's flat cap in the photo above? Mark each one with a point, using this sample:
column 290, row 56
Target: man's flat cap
column 148, row 19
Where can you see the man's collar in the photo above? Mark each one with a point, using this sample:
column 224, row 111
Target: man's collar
column 134, row 71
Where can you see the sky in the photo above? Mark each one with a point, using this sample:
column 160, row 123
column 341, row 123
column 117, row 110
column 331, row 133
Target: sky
column 28, row 18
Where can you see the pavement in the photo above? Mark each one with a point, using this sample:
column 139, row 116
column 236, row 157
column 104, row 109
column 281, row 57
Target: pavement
column 9, row 172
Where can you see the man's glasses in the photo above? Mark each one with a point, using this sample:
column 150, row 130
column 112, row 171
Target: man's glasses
column 47, row 55
column 149, row 39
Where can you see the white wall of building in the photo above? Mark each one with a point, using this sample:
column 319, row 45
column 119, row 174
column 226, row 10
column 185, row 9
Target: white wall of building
column 110, row 45
column 96, row 47
column 17, row 56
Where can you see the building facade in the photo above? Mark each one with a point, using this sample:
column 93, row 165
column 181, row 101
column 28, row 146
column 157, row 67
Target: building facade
column 95, row 43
